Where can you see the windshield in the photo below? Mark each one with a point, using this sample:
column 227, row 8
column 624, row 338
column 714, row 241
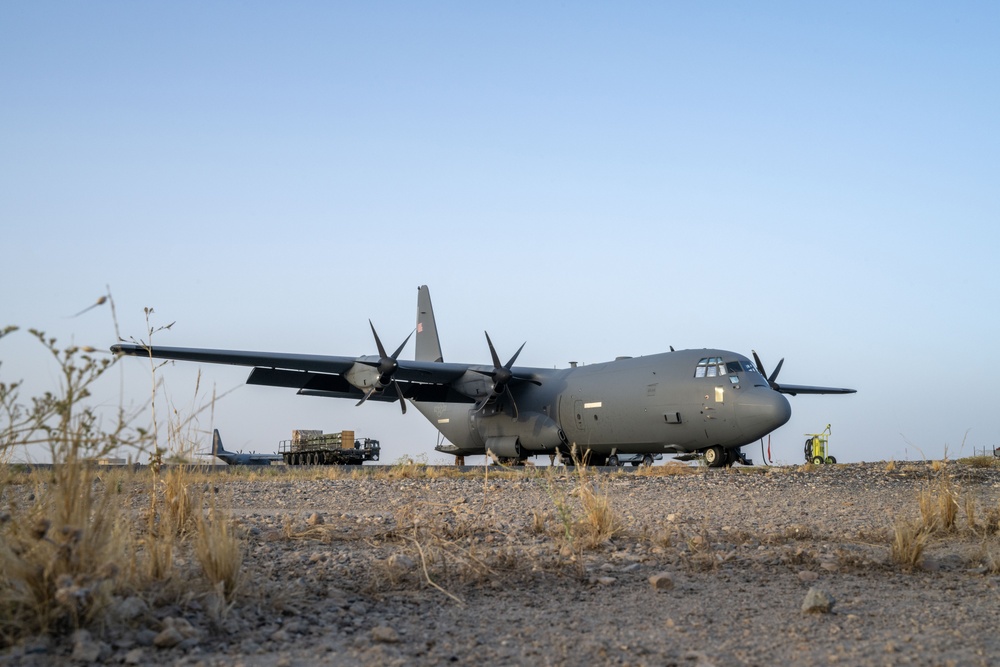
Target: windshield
column 710, row 367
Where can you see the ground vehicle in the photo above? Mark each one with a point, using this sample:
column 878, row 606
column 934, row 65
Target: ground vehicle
column 816, row 447
column 634, row 459
column 310, row 447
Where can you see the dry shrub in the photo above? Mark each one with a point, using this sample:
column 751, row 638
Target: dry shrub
column 220, row 552
column 992, row 524
column 59, row 554
column 988, row 557
column 599, row 522
column 584, row 509
column 908, row 543
column 980, row 461
column 443, row 547
column 669, row 469
column 939, row 504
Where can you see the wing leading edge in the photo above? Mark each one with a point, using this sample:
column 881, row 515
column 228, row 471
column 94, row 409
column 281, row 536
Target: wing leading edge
column 321, row 375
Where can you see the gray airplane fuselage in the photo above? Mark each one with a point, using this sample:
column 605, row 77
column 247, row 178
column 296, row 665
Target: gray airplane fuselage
column 651, row 404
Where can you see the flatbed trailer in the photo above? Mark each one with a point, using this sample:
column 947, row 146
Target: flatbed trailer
column 324, row 449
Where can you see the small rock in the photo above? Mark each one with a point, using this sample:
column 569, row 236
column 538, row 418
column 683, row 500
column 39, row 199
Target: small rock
column 145, row 637
column 400, row 563
column 168, row 638
column 605, row 581
column 385, row 635
column 130, row 609
column 817, row 602
column 182, row 625
column 134, row 657
column 315, row 519
column 661, row 581
column 85, row 649
column 808, row 576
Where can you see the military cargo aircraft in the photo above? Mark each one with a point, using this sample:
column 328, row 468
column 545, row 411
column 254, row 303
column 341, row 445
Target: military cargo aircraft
column 239, row 458
column 706, row 402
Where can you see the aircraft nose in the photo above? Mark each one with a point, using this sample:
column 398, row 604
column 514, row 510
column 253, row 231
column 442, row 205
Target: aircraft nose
column 760, row 411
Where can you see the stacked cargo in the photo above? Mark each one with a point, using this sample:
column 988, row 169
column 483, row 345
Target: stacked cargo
column 313, row 447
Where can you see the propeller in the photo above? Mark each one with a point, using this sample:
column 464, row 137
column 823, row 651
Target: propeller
column 501, row 377
column 386, row 367
column 771, row 379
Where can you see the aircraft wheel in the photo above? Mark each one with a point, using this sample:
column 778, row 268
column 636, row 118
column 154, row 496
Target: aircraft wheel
column 635, row 464
column 831, row 460
column 818, row 460
column 647, row 460
column 715, row 457
column 613, row 460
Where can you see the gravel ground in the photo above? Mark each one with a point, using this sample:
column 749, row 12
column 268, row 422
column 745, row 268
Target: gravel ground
column 712, row 567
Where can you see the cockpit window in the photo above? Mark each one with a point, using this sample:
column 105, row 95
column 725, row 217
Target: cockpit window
column 715, row 367
column 710, row 367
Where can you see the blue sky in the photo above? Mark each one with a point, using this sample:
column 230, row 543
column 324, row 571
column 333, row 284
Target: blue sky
column 817, row 183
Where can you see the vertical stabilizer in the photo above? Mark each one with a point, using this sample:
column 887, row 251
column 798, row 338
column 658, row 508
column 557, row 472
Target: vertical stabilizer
column 217, row 447
column 428, row 344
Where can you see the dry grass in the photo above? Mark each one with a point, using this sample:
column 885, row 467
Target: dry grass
column 669, row 469
column 59, row 554
column 220, row 552
column 981, row 461
column 69, row 544
column 939, row 505
column 909, row 540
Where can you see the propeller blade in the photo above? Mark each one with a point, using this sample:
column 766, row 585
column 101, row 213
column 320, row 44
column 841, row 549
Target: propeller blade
column 378, row 342
column 365, row 397
column 501, row 378
column 493, row 351
column 772, row 378
column 387, row 367
column 513, row 403
column 399, row 392
column 395, row 355
column 774, row 375
column 510, row 363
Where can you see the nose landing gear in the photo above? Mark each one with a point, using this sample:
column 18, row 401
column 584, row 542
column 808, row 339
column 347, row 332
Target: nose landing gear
column 718, row 456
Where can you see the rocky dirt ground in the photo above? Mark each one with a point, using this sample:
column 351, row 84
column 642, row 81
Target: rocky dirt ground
column 712, row 567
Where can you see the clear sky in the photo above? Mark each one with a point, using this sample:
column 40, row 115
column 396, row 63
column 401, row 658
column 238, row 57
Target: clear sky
column 816, row 181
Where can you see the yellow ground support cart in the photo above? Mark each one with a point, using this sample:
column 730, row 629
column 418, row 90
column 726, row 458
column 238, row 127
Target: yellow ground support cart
column 815, row 449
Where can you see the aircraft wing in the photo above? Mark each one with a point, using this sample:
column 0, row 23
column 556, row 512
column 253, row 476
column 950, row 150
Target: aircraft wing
column 320, row 375
column 794, row 389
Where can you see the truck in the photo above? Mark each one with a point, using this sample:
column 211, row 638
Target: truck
column 313, row 447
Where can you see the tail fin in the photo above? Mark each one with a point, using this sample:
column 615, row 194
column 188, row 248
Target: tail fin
column 427, row 343
column 217, row 447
